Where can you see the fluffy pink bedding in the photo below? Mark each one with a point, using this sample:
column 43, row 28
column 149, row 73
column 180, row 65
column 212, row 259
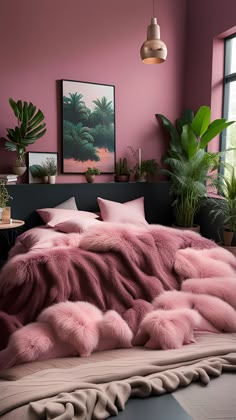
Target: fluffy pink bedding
column 165, row 284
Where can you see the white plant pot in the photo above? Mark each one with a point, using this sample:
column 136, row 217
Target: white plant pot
column 1, row 209
column 52, row 179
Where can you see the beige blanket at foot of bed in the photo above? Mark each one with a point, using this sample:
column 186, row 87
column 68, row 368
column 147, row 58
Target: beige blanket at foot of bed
column 100, row 385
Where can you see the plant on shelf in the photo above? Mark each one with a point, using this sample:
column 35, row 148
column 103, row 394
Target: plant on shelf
column 4, row 195
column 224, row 208
column 91, row 173
column 148, row 169
column 30, row 127
column 122, row 170
column 191, row 169
column 50, row 166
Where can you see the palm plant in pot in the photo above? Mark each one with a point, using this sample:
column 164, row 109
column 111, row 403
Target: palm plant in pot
column 191, row 169
column 30, row 127
column 224, row 207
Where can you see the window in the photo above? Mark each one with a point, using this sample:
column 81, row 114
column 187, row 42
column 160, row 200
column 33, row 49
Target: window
column 228, row 138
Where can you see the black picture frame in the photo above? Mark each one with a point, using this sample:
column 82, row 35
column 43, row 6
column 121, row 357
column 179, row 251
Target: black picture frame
column 88, row 126
column 38, row 158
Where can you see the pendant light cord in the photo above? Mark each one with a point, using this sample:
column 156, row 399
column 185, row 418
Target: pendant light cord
column 153, row 8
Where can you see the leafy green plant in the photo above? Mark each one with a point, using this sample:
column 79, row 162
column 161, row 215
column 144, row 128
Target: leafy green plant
column 190, row 167
column 4, row 195
column 30, row 128
column 92, row 171
column 122, row 167
column 148, row 167
column 79, row 143
column 225, row 208
column 50, row 166
column 37, row 171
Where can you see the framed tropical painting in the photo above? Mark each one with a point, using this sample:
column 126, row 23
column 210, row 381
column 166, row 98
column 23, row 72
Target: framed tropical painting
column 88, row 127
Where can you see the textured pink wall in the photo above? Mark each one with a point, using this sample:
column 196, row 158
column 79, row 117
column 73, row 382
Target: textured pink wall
column 207, row 22
column 94, row 41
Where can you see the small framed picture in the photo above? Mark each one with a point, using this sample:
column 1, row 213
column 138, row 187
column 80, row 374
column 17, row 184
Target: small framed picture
column 88, row 127
column 41, row 166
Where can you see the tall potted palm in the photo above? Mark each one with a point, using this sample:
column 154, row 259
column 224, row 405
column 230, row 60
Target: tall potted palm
column 30, row 127
column 191, row 169
column 224, row 207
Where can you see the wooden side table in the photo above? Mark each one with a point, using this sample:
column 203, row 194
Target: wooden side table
column 8, row 233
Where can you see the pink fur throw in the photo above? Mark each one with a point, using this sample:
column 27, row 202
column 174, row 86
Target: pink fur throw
column 66, row 329
column 171, row 329
column 127, row 277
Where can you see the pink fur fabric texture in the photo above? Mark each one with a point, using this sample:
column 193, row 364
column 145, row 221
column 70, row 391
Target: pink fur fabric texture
column 125, row 273
column 171, row 329
column 66, row 329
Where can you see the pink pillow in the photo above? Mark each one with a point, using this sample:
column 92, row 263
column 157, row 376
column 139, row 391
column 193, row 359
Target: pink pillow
column 77, row 226
column 35, row 238
column 53, row 216
column 129, row 212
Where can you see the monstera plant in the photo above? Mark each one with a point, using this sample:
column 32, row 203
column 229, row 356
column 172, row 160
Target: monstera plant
column 30, row 127
column 190, row 167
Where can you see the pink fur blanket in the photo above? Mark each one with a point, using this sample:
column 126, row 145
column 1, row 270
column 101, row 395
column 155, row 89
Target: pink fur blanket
column 165, row 283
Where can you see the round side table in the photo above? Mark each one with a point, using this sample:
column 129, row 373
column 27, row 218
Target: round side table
column 8, row 233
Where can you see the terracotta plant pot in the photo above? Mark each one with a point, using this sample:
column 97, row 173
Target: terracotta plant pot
column 228, row 236
column 90, row 178
column 121, row 178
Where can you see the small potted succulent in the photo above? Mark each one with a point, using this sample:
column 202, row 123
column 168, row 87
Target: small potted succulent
column 122, row 170
column 90, row 174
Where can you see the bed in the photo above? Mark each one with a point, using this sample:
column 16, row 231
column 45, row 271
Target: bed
column 141, row 273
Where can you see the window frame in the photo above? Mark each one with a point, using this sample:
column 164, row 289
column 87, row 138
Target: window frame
column 226, row 80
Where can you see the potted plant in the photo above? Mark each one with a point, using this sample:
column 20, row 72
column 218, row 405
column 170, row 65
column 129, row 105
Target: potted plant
column 91, row 173
column 4, row 197
column 50, row 169
column 148, row 169
column 30, row 127
column 191, row 169
column 122, row 171
column 224, row 207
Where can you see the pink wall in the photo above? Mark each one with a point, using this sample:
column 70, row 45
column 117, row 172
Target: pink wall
column 207, row 22
column 94, row 41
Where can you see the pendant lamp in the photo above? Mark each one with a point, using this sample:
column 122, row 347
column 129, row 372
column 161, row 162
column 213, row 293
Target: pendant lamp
column 153, row 51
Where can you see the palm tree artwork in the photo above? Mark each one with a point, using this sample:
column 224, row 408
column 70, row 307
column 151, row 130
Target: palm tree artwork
column 88, row 127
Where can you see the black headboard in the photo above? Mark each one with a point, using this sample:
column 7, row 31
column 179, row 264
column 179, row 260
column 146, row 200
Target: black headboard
column 29, row 197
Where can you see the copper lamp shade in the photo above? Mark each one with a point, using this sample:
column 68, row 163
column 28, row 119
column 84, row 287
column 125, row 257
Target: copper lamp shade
column 153, row 51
